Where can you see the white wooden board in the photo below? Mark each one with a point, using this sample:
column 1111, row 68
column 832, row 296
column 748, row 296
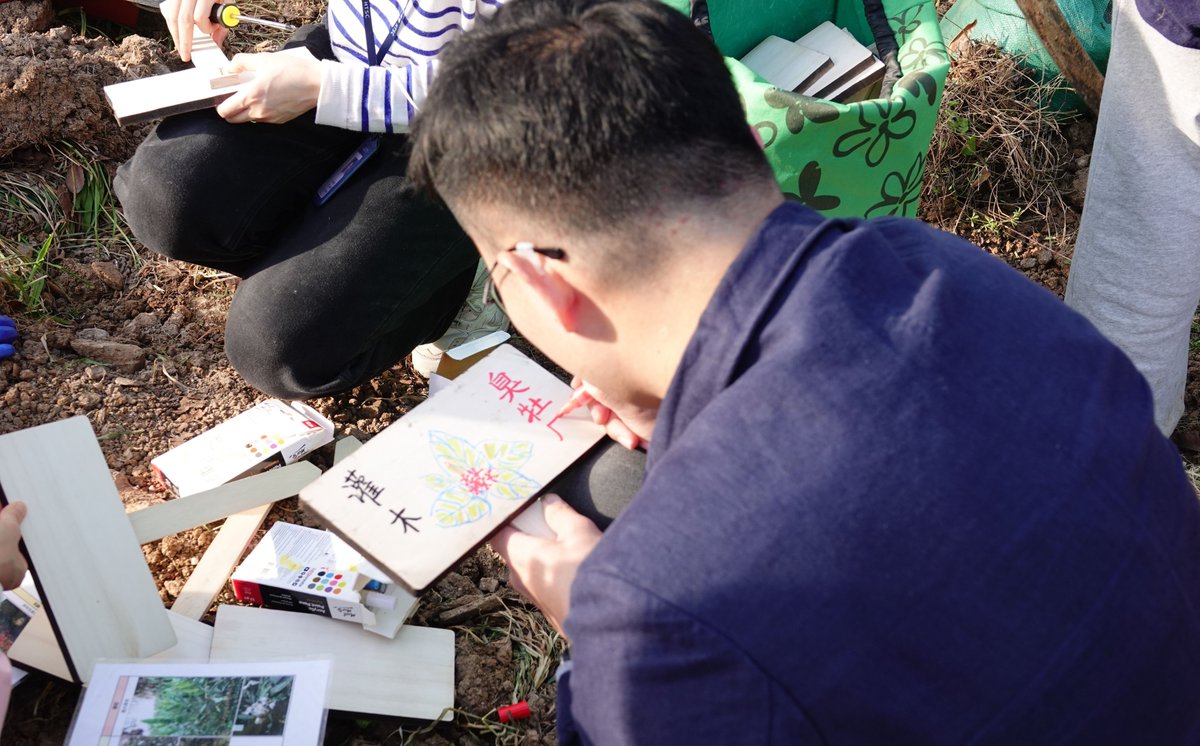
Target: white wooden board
column 90, row 571
column 195, row 640
column 442, row 479
column 222, row 555
column 182, row 513
column 37, row 647
column 159, row 96
column 205, row 52
column 410, row 676
column 850, row 58
column 345, row 447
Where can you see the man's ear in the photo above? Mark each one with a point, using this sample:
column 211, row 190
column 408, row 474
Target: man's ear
column 551, row 289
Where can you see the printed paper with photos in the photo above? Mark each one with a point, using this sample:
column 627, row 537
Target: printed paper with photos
column 17, row 607
column 203, row 704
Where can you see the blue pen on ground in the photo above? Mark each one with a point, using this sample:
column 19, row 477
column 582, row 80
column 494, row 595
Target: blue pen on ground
column 346, row 170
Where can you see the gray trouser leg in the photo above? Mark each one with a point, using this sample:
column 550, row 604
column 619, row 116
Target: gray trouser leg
column 1136, row 269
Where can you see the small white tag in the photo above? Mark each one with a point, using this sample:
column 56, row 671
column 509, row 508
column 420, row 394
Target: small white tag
column 468, row 349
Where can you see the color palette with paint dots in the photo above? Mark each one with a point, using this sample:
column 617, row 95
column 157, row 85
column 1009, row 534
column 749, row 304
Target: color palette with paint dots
column 325, row 581
column 264, row 445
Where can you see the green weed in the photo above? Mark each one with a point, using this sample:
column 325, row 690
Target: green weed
column 93, row 206
column 70, row 211
column 960, row 124
column 994, row 223
column 27, row 275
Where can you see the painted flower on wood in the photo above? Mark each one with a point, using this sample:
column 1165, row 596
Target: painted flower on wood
column 475, row 474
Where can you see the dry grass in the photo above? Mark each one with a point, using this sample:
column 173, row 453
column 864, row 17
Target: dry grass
column 998, row 155
column 250, row 38
column 66, row 209
column 537, row 649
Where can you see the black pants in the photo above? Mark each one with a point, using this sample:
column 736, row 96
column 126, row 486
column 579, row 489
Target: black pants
column 330, row 296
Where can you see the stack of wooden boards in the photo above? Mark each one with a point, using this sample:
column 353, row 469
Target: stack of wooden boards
column 417, row 498
column 827, row 62
column 99, row 600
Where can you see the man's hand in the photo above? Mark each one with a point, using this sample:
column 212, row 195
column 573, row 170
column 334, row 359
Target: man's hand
column 183, row 15
column 629, row 426
column 8, row 334
column 542, row 570
column 12, row 564
column 284, row 87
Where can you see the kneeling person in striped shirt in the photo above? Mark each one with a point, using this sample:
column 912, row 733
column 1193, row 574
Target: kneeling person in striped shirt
column 331, row 294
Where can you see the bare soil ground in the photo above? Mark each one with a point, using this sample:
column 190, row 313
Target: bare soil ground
column 135, row 342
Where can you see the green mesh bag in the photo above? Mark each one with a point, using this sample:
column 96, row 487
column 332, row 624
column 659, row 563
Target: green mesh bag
column 863, row 159
column 1002, row 22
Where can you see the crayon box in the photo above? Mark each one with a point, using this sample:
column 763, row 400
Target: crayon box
column 269, row 435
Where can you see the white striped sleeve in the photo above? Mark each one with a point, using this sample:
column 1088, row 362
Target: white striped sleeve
column 372, row 99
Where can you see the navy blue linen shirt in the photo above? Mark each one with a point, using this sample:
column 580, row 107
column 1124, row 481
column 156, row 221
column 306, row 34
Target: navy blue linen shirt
column 1177, row 20
column 897, row 494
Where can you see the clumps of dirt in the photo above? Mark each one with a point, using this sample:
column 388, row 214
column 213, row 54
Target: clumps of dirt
column 25, row 16
column 374, row 405
column 51, row 89
column 174, row 370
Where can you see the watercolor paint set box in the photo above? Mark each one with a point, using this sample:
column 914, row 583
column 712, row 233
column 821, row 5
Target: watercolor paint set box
column 296, row 568
column 271, row 434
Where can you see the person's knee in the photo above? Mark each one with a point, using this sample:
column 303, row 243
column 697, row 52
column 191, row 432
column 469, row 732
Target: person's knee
column 163, row 214
column 267, row 360
column 282, row 356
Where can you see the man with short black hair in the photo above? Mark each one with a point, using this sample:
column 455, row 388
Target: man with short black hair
column 895, row 492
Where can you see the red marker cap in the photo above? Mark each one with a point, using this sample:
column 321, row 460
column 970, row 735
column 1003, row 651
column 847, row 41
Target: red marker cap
column 518, row 711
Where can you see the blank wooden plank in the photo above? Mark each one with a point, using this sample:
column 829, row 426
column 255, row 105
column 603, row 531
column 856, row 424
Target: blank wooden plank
column 222, row 555
column 785, row 64
column 410, row 676
column 205, row 52
column 345, row 447
column 174, row 93
column 159, row 96
column 89, row 568
column 182, row 513
column 37, row 647
column 195, row 640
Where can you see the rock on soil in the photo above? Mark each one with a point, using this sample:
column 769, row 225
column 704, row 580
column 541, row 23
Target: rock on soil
column 109, row 274
column 126, row 358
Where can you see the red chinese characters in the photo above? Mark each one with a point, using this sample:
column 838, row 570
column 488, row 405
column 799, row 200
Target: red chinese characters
column 532, row 407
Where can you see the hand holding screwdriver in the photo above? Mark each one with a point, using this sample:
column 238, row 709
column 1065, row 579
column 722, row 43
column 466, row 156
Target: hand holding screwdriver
column 214, row 19
column 230, row 15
